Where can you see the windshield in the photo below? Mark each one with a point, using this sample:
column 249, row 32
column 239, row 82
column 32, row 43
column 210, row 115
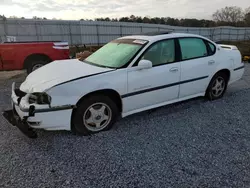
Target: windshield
column 116, row 53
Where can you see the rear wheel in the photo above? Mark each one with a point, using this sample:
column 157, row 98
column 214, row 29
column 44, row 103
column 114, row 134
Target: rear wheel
column 36, row 64
column 217, row 87
column 94, row 114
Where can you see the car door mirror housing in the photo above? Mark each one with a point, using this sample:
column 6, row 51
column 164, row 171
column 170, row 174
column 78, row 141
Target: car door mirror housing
column 145, row 64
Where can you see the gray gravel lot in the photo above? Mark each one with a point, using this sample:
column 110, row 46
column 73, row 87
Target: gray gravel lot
column 190, row 144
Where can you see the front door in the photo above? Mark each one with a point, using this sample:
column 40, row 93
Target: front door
column 149, row 87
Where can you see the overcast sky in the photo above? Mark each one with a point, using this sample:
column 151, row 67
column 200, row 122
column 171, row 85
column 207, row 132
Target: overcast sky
column 77, row 9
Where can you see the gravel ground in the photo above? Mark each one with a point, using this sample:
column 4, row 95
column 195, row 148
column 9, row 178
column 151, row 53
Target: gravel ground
column 191, row 144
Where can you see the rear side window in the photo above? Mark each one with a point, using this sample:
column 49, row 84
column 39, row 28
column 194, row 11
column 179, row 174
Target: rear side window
column 212, row 47
column 192, row 48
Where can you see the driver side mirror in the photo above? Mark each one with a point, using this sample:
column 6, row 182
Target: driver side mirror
column 145, row 64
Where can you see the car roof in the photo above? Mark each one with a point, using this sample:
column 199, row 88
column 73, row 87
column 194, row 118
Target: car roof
column 151, row 37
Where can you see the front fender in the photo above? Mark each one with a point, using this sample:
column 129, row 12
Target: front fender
column 72, row 92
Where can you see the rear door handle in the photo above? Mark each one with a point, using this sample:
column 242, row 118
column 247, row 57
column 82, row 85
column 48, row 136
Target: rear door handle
column 174, row 69
column 211, row 62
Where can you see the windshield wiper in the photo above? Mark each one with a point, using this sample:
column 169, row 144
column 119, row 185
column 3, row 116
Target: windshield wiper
column 103, row 66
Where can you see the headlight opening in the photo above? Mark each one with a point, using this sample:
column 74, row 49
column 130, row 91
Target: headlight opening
column 39, row 98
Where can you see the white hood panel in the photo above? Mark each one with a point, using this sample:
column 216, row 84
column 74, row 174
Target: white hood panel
column 58, row 72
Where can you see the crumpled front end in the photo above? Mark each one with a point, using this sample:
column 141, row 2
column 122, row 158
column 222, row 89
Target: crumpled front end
column 34, row 111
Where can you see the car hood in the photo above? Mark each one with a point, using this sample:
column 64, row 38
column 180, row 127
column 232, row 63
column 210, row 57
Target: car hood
column 58, row 72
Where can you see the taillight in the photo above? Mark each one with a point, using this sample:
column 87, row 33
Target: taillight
column 61, row 45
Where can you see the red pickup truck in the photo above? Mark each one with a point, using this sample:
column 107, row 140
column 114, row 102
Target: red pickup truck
column 31, row 55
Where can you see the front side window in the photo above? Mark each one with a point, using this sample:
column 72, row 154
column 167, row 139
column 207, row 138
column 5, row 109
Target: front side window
column 161, row 53
column 192, row 48
column 116, row 53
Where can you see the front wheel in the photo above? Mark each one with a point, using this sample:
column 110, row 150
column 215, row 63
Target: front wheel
column 94, row 114
column 217, row 87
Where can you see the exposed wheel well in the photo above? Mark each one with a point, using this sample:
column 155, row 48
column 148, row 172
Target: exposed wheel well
column 107, row 92
column 226, row 72
column 34, row 57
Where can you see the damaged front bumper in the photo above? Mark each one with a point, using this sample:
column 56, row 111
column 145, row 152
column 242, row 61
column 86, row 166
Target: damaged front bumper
column 22, row 112
column 12, row 117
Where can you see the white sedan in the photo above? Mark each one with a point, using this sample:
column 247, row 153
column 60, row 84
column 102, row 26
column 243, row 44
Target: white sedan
column 128, row 75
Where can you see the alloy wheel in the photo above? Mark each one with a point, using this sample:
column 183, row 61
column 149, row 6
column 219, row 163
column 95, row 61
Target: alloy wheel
column 97, row 117
column 218, row 86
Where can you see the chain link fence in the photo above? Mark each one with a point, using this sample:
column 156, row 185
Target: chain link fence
column 98, row 33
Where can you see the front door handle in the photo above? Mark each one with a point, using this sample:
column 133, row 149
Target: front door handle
column 174, row 69
column 211, row 62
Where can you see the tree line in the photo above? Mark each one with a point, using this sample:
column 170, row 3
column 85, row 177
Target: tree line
column 228, row 16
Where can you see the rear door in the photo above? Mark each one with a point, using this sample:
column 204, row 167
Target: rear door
column 198, row 62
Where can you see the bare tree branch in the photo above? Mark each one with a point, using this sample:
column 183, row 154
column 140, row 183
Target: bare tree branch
column 229, row 14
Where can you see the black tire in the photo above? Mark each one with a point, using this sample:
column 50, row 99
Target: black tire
column 35, row 63
column 210, row 93
column 82, row 128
